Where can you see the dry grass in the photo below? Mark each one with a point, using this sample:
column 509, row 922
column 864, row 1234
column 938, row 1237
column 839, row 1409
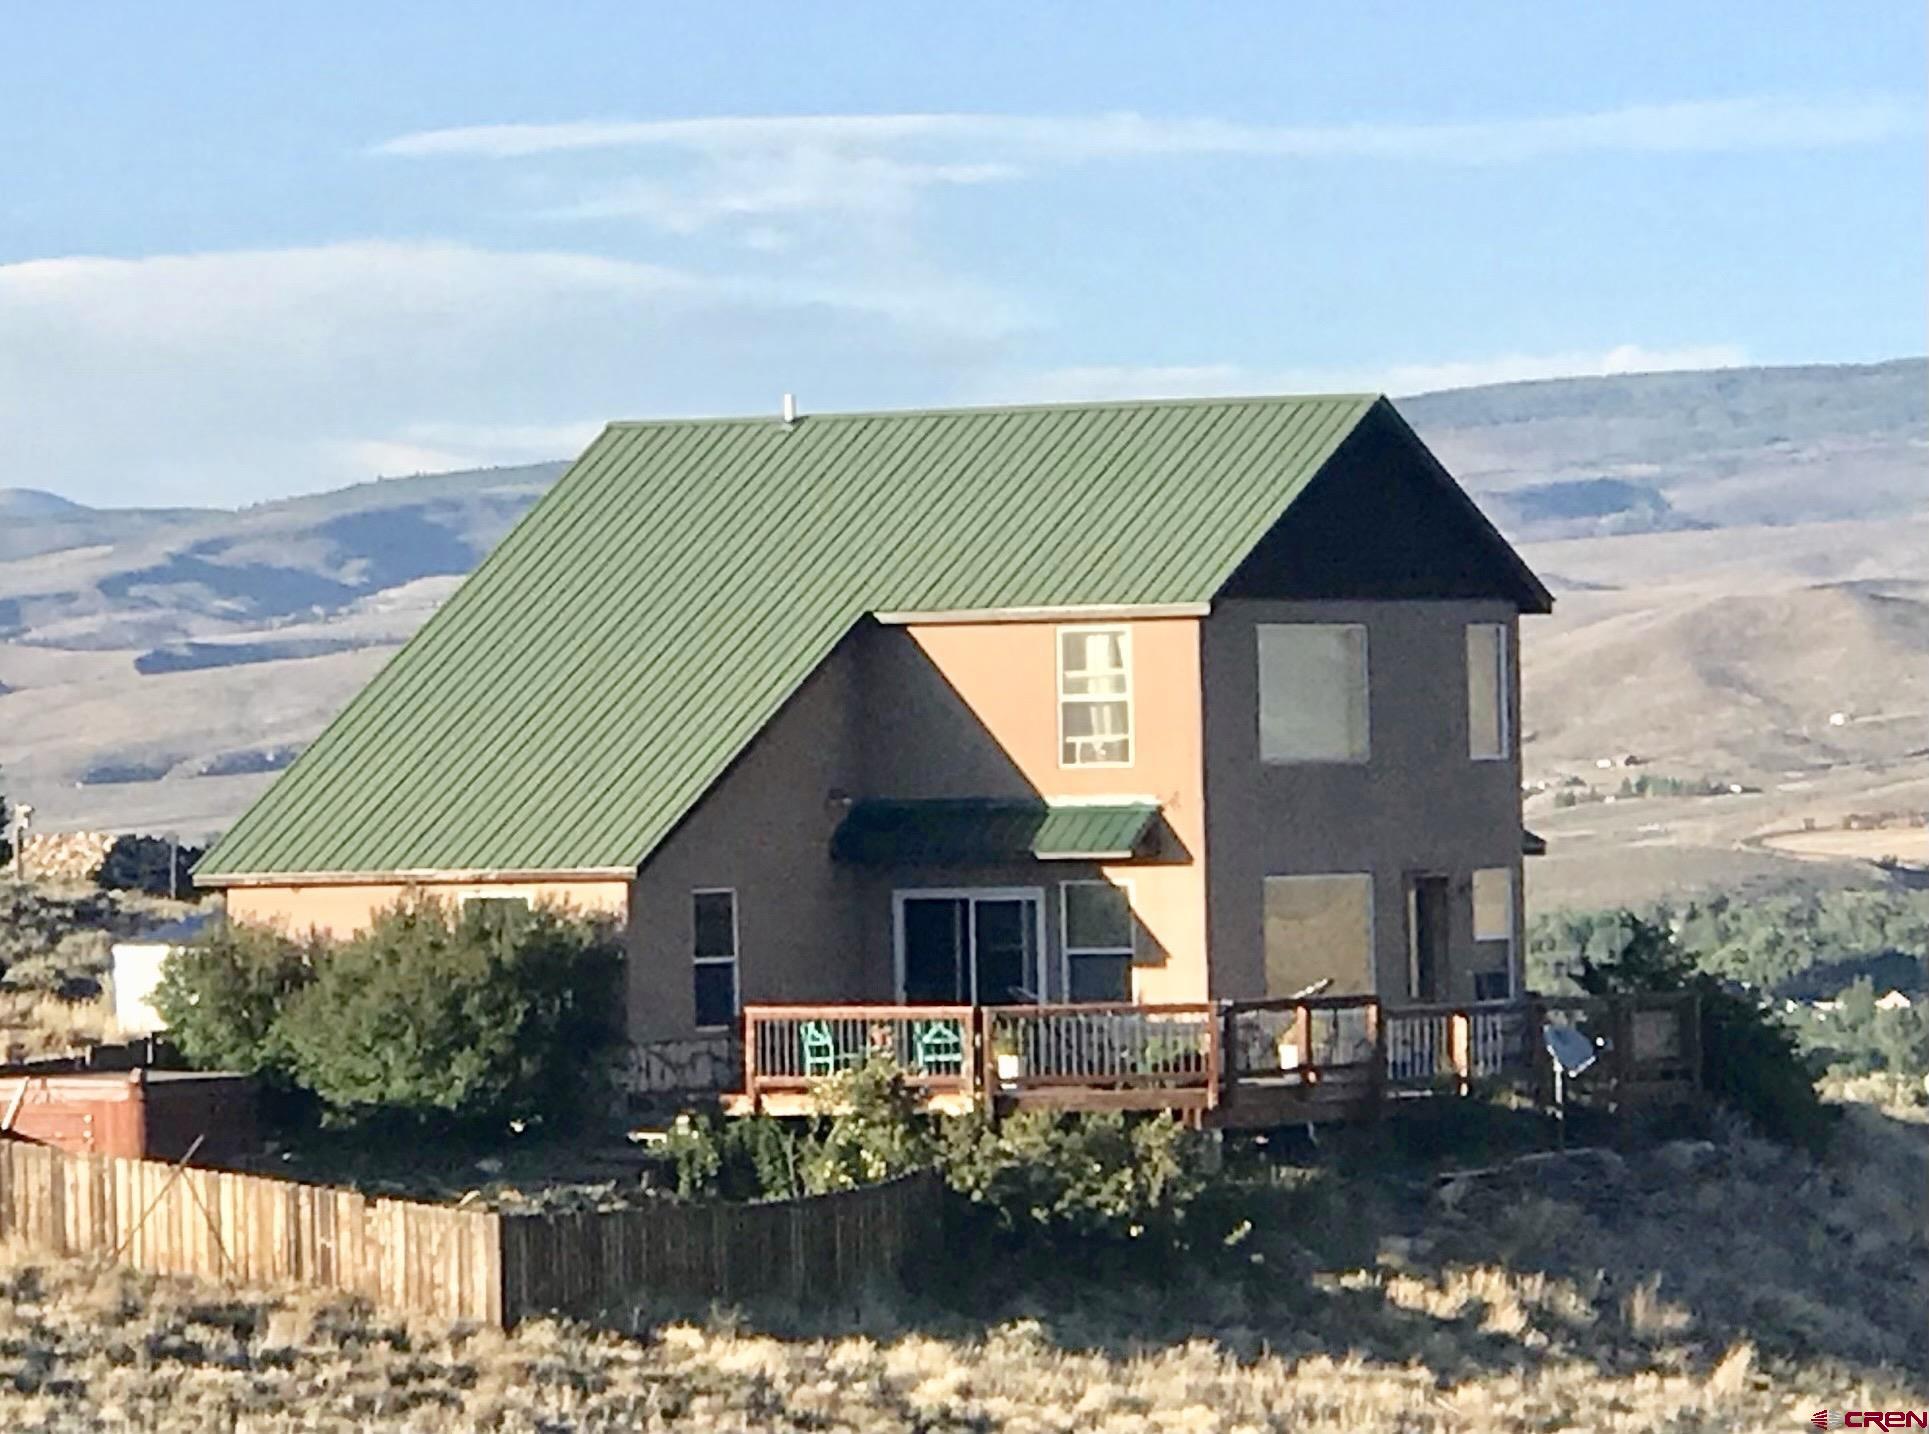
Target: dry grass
column 1726, row 1286
column 33, row 1023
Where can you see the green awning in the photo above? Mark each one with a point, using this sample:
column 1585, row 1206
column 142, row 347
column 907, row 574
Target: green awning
column 980, row 831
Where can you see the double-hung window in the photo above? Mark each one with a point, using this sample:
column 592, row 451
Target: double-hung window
column 1097, row 934
column 1312, row 692
column 1094, row 697
column 714, row 957
column 1487, row 691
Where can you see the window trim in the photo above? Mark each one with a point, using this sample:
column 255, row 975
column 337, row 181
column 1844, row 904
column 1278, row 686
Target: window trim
column 1503, row 695
column 1370, row 877
column 736, row 953
column 1124, row 633
column 1065, row 948
column 1366, row 698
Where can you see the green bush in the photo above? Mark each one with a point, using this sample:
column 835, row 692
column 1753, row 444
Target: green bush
column 222, row 997
column 1081, row 1178
column 1751, row 1061
column 425, row 1016
column 750, row 1158
column 874, row 1132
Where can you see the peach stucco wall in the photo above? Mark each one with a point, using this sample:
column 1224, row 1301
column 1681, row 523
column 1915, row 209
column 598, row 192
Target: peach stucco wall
column 343, row 909
column 1006, row 675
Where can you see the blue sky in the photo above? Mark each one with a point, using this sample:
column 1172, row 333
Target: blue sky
column 252, row 250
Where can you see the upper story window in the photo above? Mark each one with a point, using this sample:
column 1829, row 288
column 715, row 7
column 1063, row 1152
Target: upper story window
column 1094, row 697
column 1487, row 684
column 1312, row 692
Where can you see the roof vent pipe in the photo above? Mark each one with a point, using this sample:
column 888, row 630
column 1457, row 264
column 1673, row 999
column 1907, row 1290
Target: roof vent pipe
column 790, row 409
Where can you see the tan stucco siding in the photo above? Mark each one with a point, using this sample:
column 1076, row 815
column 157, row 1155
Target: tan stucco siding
column 764, row 832
column 971, row 709
column 1419, row 805
column 341, row 909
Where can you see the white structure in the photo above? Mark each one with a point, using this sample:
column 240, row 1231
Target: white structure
column 137, row 970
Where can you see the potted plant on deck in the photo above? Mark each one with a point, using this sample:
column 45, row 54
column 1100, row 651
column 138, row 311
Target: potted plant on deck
column 1008, row 1057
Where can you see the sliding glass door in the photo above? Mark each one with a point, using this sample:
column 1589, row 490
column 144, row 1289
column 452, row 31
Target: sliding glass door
column 982, row 947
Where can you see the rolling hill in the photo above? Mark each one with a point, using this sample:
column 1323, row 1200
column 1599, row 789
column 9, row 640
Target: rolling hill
column 1739, row 557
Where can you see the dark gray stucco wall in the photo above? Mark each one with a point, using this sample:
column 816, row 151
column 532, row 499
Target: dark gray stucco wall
column 1419, row 805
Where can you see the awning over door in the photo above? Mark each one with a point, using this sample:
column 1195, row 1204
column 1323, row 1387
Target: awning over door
column 983, row 831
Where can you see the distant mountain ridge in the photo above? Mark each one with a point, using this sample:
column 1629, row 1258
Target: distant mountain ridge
column 157, row 664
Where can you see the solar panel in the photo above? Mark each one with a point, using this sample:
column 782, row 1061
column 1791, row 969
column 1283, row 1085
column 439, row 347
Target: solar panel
column 1572, row 1051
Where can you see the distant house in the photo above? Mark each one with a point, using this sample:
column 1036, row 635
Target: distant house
column 137, row 971
column 1146, row 701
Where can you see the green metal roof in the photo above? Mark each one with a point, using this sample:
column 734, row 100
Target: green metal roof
column 627, row 640
column 980, row 831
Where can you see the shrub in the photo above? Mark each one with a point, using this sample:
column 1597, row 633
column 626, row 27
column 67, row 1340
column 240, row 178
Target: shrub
column 140, row 863
column 1051, row 1177
column 478, row 1017
column 745, row 1159
column 874, row 1133
column 1750, row 1059
column 73, row 970
column 222, row 996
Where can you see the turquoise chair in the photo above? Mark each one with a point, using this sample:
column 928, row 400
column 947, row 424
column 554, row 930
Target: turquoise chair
column 820, row 1049
column 938, row 1048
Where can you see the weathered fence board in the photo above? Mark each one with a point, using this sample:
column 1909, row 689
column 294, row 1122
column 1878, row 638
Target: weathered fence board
column 222, row 1225
column 451, row 1263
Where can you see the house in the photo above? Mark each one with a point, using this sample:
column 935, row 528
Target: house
column 1154, row 701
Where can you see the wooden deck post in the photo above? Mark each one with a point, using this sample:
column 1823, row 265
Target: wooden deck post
column 987, row 1059
column 1215, row 1058
column 1376, row 1078
column 1303, row 1039
column 1460, row 1049
column 750, row 1062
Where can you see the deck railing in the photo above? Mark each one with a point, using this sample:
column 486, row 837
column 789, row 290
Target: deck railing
column 1303, row 1040
column 1111, row 1045
column 793, row 1047
column 1421, row 1046
column 1194, row 1057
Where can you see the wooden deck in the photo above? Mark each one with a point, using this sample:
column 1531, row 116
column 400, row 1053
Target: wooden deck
column 1239, row 1064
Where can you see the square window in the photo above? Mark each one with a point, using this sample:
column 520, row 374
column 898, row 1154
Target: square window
column 1101, row 978
column 1319, row 928
column 1098, row 917
column 1094, row 697
column 716, row 993
column 1312, row 692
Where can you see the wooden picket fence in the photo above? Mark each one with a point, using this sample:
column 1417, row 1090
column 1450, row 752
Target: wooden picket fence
column 451, row 1263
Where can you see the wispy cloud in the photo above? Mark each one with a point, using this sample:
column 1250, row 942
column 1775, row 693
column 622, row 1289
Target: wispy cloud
column 1765, row 122
column 1109, row 381
column 686, row 175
